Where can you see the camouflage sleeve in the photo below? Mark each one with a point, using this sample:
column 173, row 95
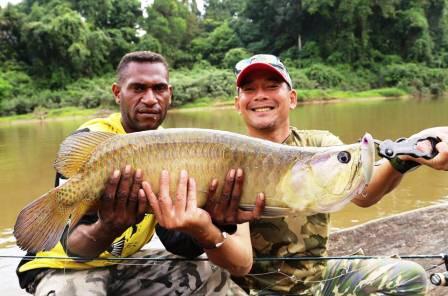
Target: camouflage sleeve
column 386, row 276
column 329, row 139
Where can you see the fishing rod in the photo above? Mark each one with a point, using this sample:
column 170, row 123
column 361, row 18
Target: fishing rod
column 167, row 258
column 437, row 279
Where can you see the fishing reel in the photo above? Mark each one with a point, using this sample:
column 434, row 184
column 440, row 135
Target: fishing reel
column 440, row 278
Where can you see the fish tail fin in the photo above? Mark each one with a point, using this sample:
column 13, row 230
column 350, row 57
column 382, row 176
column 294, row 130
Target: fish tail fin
column 40, row 224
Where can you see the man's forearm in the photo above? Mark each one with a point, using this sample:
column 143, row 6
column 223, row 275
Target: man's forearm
column 89, row 240
column 235, row 254
column 182, row 244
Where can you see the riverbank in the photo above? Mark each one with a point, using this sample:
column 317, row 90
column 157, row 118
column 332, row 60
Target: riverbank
column 307, row 96
column 313, row 96
column 49, row 115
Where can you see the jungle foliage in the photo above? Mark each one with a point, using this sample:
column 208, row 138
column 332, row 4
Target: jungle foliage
column 59, row 53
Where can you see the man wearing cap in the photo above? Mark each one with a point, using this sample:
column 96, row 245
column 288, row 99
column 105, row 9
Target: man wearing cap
column 265, row 95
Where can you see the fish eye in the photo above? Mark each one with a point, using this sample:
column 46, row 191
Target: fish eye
column 344, row 157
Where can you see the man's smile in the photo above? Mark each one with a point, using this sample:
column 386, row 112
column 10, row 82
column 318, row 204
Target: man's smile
column 262, row 109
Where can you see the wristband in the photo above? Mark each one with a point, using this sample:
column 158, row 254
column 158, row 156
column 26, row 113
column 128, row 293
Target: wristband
column 218, row 245
column 403, row 166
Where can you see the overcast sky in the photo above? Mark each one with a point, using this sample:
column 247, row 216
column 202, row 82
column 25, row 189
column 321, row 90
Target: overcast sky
column 4, row 2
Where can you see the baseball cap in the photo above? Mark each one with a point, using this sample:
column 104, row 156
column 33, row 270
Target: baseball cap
column 261, row 62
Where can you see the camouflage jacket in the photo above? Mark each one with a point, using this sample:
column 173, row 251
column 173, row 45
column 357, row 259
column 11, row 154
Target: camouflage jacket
column 295, row 235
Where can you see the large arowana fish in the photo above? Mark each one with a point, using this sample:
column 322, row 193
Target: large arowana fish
column 309, row 179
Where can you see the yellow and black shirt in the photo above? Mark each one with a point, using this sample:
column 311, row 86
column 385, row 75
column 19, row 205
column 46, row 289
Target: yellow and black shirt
column 131, row 241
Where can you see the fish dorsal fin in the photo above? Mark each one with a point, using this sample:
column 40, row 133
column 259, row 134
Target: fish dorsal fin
column 76, row 149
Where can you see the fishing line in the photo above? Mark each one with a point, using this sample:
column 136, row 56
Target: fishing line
column 277, row 282
column 64, row 238
column 166, row 258
column 434, row 266
column 345, row 271
column 294, row 278
column 127, row 261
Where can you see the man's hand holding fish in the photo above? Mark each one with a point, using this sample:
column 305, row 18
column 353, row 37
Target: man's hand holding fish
column 183, row 214
column 120, row 207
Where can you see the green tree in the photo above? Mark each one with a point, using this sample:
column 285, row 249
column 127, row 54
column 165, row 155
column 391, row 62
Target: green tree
column 11, row 43
column 109, row 13
column 233, row 56
column 60, row 46
column 149, row 42
column 173, row 24
column 270, row 25
column 215, row 45
column 222, row 10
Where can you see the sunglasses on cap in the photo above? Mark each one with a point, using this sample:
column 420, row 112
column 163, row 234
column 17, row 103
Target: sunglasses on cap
column 271, row 61
column 259, row 58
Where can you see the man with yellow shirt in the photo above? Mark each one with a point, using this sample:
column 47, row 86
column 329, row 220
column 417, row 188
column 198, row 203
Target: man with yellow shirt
column 120, row 228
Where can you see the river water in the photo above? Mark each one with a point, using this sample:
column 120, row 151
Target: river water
column 27, row 151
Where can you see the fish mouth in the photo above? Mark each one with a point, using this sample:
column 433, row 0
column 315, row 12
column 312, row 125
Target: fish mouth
column 367, row 156
column 356, row 166
column 365, row 160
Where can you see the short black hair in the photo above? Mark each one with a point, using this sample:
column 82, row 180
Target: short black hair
column 139, row 57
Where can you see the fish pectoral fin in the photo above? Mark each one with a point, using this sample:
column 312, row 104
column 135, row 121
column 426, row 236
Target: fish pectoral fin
column 269, row 212
column 76, row 150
